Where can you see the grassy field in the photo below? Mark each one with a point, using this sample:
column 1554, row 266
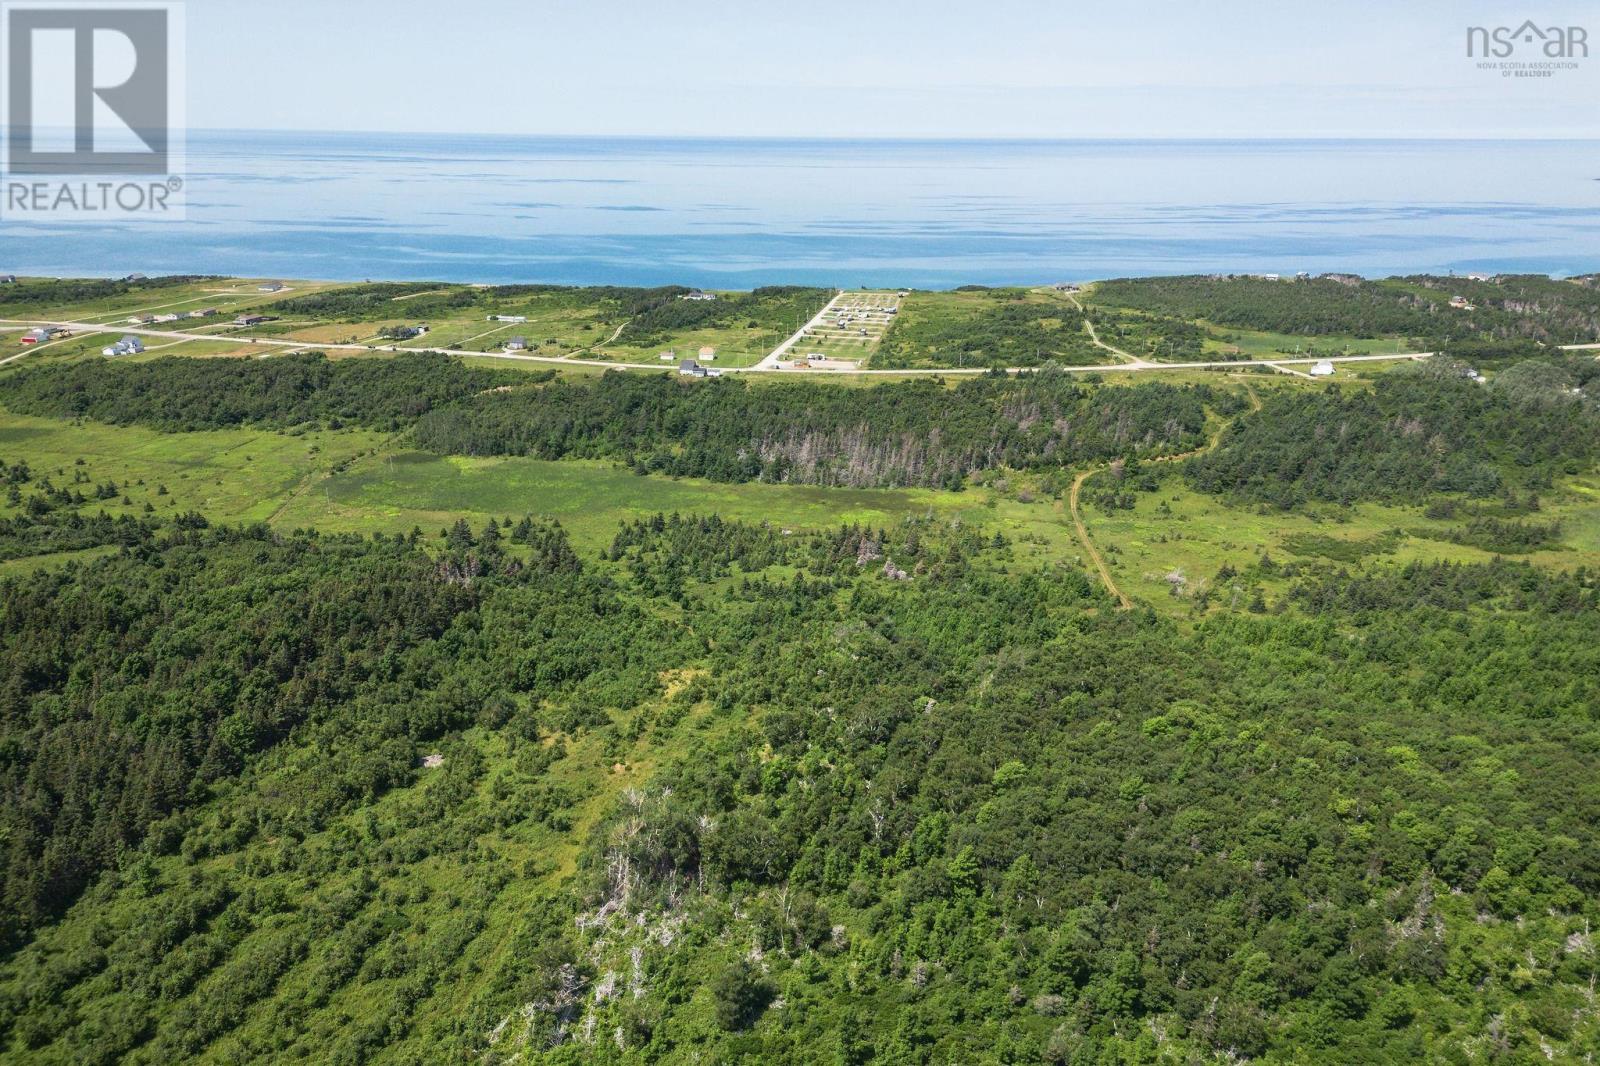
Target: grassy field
column 734, row 345
column 1177, row 531
column 351, row 481
column 356, row 481
column 228, row 475
column 986, row 327
column 395, row 491
column 1227, row 342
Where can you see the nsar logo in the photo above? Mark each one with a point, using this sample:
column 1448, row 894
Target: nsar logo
column 1551, row 42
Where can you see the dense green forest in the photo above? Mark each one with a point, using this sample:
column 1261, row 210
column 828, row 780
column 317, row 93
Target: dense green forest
column 912, row 433
column 918, row 789
column 964, row 815
column 1510, row 307
column 1418, row 431
column 176, row 394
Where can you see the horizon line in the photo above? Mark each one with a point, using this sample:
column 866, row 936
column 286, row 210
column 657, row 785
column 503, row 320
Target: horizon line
column 914, row 139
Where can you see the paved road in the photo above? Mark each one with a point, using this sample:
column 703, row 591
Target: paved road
column 771, row 361
column 762, row 367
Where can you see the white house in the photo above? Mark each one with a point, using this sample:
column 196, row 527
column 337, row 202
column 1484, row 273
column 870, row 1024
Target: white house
column 129, row 345
column 698, row 295
column 1323, row 369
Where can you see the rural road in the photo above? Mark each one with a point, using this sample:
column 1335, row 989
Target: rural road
column 1088, row 545
column 771, row 361
column 1082, row 529
column 762, row 367
column 766, row 366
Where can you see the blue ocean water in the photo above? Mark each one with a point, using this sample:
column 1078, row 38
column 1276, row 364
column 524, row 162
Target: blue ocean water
column 737, row 213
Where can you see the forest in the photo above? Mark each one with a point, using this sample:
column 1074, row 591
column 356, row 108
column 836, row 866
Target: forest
column 912, row 433
column 183, row 395
column 380, row 780
column 969, row 816
column 1505, row 308
column 1424, row 430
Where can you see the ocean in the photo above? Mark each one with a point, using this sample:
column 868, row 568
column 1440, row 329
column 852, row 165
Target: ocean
column 932, row 214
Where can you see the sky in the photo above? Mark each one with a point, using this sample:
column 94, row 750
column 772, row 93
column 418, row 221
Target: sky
column 847, row 68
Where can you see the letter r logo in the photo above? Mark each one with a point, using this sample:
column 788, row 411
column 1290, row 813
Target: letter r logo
column 102, row 73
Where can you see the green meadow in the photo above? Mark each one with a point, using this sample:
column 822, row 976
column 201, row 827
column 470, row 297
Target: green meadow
column 1178, row 532
column 394, row 491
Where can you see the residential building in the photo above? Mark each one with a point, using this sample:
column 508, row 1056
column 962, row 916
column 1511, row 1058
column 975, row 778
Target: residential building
column 129, row 345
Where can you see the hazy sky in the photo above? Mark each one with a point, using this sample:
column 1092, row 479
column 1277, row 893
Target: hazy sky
column 921, row 68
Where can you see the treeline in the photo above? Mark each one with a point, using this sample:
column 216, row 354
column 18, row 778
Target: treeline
column 1507, row 309
column 183, row 395
column 913, row 433
column 27, row 296
column 1500, row 583
column 1418, row 431
column 378, row 300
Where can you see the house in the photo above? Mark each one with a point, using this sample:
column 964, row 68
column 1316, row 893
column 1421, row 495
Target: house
column 271, row 286
column 1323, row 369
column 517, row 344
column 508, row 318
column 129, row 345
column 708, row 355
column 667, row 357
column 696, row 294
column 253, row 320
column 134, row 278
column 1065, row 286
column 1461, row 303
column 43, row 334
column 691, row 369
column 405, row 333
column 8, row 279
column 167, row 318
column 207, row 313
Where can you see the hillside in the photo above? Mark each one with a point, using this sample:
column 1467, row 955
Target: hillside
column 414, row 709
